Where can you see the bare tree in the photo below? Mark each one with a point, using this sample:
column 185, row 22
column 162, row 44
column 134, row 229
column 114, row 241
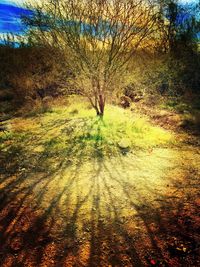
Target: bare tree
column 99, row 38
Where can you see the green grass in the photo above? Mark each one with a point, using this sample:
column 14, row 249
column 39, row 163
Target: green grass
column 92, row 134
column 76, row 132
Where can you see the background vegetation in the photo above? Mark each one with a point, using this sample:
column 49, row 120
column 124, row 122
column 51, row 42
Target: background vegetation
column 166, row 63
column 120, row 189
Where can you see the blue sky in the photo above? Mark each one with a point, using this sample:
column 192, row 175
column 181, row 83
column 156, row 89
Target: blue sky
column 10, row 12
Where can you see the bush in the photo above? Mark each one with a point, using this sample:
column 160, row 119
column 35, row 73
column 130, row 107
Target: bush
column 31, row 72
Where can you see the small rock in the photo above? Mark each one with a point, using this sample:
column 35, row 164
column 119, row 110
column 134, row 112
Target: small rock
column 124, row 144
column 110, row 143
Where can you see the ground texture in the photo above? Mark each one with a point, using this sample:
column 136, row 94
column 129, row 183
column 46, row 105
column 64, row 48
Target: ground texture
column 60, row 206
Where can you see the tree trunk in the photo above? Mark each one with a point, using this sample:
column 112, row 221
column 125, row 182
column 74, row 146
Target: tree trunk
column 101, row 103
column 98, row 103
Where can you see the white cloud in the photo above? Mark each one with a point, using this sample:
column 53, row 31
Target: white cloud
column 12, row 2
column 188, row 1
column 16, row 2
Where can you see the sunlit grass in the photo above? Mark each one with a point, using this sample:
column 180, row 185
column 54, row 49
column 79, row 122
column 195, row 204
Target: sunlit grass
column 93, row 134
column 75, row 131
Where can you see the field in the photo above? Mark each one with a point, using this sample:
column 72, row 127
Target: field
column 78, row 190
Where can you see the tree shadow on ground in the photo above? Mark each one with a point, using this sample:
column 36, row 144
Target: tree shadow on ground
column 60, row 209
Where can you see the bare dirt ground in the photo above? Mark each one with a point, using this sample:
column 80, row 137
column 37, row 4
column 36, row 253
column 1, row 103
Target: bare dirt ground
column 138, row 209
